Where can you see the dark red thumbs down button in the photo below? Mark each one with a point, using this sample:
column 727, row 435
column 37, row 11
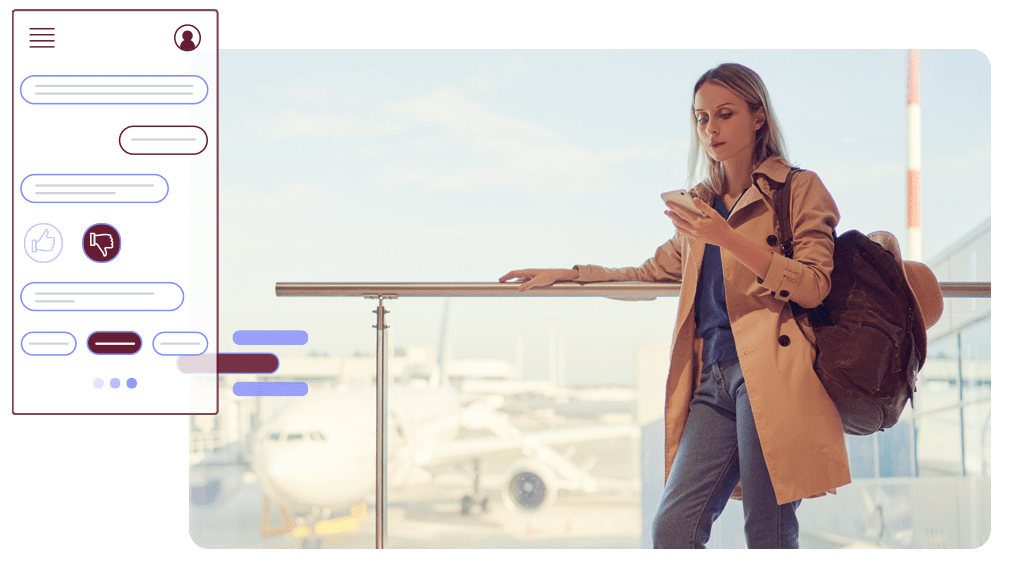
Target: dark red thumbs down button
column 114, row 342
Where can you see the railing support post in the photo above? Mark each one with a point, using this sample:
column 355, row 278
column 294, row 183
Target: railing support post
column 382, row 424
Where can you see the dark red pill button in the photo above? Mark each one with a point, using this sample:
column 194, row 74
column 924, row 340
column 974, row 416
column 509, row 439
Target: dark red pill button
column 114, row 342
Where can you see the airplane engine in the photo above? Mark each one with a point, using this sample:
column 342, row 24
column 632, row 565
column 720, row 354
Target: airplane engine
column 529, row 486
column 219, row 475
column 208, row 485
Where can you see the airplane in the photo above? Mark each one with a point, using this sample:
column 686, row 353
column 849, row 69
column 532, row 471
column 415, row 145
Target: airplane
column 317, row 455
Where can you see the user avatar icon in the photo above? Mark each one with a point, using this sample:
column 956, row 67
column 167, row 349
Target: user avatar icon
column 43, row 243
column 101, row 243
column 187, row 37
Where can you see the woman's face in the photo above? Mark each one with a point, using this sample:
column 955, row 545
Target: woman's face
column 725, row 124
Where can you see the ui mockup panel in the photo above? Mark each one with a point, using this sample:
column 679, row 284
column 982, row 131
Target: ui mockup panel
column 114, row 202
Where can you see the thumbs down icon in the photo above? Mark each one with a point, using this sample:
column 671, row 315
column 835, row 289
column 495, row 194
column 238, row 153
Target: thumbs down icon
column 106, row 242
column 101, row 243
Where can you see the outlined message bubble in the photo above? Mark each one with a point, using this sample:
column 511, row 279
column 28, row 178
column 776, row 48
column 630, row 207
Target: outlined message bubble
column 102, row 296
column 94, row 188
column 163, row 140
column 114, row 89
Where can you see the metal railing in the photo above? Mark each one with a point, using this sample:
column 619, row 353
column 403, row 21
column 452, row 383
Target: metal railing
column 628, row 290
column 383, row 291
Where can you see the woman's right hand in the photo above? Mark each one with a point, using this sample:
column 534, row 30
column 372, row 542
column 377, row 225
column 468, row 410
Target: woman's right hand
column 539, row 278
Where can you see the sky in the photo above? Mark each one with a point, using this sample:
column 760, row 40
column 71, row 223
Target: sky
column 449, row 166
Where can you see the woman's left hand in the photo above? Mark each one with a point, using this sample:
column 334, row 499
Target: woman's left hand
column 712, row 228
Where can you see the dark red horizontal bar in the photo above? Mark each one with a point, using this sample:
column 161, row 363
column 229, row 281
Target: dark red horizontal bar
column 228, row 363
column 246, row 363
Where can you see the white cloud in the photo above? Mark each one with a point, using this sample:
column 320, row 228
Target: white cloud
column 268, row 201
column 459, row 113
column 855, row 176
column 294, row 124
column 488, row 161
column 973, row 170
column 665, row 148
column 458, row 232
column 308, row 94
column 482, row 83
column 483, row 148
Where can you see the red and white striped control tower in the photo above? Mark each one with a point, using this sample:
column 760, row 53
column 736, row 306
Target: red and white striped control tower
column 913, row 249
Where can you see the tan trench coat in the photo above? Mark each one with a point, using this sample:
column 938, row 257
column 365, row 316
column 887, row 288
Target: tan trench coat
column 798, row 425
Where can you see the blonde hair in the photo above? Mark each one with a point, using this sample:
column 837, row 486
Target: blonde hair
column 705, row 173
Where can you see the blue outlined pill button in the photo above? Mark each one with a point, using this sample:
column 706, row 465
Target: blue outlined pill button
column 114, row 89
column 270, row 388
column 270, row 337
column 180, row 343
column 94, row 188
column 48, row 343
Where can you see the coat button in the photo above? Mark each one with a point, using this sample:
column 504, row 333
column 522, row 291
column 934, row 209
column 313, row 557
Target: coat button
column 772, row 241
column 784, row 340
column 784, row 293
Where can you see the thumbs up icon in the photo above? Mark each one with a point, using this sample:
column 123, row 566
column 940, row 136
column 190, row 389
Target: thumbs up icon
column 45, row 243
column 101, row 243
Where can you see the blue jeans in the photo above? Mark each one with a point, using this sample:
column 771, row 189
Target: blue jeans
column 720, row 448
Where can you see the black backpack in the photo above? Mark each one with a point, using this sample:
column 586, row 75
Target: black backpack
column 869, row 346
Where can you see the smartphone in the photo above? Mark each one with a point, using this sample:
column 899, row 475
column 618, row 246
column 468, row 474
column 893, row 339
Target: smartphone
column 682, row 199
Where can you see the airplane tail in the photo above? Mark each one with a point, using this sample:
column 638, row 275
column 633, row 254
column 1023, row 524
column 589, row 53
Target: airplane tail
column 440, row 377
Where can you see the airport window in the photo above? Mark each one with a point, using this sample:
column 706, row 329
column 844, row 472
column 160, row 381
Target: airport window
column 539, row 422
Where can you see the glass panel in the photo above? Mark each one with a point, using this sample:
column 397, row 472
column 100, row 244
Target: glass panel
column 506, row 453
column 416, row 166
column 913, row 484
column 953, row 404
column 947, row 502
column 299, row 472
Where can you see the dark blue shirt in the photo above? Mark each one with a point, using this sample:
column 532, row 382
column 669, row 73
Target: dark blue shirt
column 712, row 315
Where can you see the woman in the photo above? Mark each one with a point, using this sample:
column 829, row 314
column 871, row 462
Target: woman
column 743, row 404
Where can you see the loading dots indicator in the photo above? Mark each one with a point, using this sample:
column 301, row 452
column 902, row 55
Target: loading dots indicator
column 115, row 383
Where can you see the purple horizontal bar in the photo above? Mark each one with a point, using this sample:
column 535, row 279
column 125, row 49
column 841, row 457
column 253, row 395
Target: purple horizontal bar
column 270, row 388
column 270, row 337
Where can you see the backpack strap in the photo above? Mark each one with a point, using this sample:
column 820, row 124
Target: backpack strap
column 783, row 218
column 782, row 215
column 818, row 316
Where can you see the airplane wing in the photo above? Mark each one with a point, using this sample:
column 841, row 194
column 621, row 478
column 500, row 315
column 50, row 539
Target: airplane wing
column 530, row 443
column 543, row 465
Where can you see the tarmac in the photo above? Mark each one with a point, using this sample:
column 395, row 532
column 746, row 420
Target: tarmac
column 428, row 514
